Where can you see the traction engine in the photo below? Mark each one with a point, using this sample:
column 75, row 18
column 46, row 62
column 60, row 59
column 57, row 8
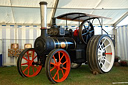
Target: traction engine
column 59, row 49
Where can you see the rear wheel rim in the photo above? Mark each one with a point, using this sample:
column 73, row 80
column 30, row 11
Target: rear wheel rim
column 59, row 66
column 106, row 54
column 29, row 66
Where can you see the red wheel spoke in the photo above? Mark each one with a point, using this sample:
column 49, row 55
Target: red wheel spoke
column 32, row 54
column 55, row 74
column 28, row 63
column 23, row 64
column 58, row 75
column 33, row 69
column 52, row 69
column 54, row 59
column 108, row 53
column 35, row 66
column 59, row 56
column 59, row 65
column 64, row 68
column 52, row 63
column 25, row 58
column 65, row 62
column 28, row 55
column 25, row 69
column 62, row 71
column 28, row 71
column 34, row 58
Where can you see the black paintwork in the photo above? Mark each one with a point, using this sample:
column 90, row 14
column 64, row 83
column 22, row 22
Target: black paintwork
column 56, row 37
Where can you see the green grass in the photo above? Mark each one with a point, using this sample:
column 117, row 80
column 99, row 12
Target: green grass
column 80, row 76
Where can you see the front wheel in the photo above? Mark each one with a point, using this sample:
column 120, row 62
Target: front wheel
column 28, row 63
column 57, row 65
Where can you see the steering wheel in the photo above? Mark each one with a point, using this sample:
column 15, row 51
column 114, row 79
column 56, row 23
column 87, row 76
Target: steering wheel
column 86, row 31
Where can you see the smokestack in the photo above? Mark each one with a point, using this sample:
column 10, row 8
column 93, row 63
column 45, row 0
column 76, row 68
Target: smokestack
column 43, row 12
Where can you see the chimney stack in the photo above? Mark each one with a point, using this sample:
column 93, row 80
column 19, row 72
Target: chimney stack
column 43, row 12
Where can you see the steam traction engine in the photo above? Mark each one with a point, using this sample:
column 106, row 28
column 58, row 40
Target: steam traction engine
column 59, row 49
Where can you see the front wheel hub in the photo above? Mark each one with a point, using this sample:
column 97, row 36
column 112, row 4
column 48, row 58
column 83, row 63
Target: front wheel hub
column 30, row 62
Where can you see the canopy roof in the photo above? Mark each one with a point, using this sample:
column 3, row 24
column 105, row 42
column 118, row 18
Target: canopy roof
column 78, row 16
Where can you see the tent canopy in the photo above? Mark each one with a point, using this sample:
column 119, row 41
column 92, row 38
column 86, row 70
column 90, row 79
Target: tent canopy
column 28, row 11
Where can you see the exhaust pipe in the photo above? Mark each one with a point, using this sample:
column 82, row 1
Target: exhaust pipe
column 43, row 12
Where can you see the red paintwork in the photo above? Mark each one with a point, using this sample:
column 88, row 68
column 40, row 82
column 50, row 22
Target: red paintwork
column 76, row 32
column 56, row 65
column 108, row 53
column 30, row 70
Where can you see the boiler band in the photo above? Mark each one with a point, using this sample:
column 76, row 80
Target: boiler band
column 42, row 45
column 66, row 43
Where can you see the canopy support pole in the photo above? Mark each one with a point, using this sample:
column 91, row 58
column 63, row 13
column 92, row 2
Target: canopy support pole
column 54, row 10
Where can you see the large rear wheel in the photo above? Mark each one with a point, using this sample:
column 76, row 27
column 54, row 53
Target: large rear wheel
column 28, row 63
column 100, row 51
column 57, row 65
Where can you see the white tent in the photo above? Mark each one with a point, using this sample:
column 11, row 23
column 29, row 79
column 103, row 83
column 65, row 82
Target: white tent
column 20, row 19
column 28, row 11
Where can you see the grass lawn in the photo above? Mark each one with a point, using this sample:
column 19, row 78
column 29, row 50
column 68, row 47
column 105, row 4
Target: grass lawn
column 80, row 76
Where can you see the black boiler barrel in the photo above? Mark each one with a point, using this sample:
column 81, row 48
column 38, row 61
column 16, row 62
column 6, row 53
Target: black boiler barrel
column 64, row 42
column 44, row 45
